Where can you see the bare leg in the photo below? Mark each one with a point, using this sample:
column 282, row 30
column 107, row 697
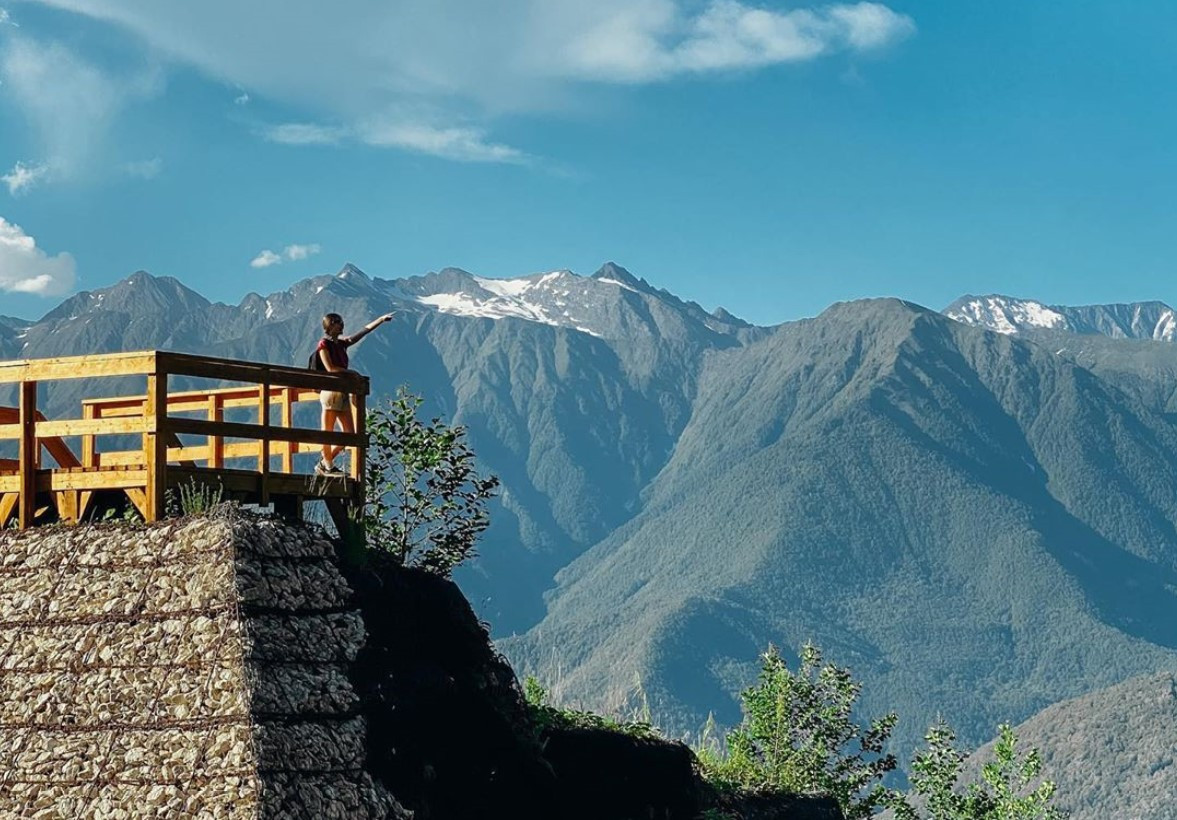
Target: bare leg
column 328, row 425
column 345, row 421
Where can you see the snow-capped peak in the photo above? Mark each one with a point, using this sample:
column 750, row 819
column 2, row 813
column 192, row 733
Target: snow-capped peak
column 1005, row 314
column 554, row 298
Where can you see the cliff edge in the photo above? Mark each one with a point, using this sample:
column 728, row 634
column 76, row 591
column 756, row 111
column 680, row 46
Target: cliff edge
column 230, row 666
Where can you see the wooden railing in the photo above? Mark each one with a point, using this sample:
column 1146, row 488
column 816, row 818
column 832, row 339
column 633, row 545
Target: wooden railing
column 159, row 418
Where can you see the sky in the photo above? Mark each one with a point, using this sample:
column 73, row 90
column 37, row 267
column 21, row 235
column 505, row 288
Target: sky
column 768, row 157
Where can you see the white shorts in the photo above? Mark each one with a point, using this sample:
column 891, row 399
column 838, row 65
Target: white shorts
column 337, row 402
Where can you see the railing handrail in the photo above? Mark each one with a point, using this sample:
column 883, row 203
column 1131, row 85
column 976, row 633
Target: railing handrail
column 150, row 362
column 150, row 415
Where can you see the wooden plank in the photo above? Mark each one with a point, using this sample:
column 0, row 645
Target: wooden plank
column 242, row 449
column 216, row 444
column 9, row 465
column 359, row 454
column 77, row 367
column 67, row 505
column 263, row 453
column 53, row 480
column 191, row 455
column 183, row 364
column 191, row 401
column 287, row 420
column 200, row 427
column 155, row 449
column 26, row 507
column 97, row 427
column 84, row 499
column 138, row 497
column 7, row 505
column 88, row 449
column 308, row 486
column 121, row 458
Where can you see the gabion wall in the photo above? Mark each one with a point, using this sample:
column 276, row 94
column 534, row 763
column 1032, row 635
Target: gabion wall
column 190, row 669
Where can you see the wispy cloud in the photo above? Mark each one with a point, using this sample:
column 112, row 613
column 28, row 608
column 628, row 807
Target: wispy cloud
column 304, row 133
column 295, row 253
column 438, row 88
column 144, row 169
column 6, row 19
column 241, row 99
column 25, row 268
column 291, row 253
column 68, row 102
column 24, row 176
column 462, row 144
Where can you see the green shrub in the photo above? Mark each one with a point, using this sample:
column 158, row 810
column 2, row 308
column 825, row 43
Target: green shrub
column 795, row 735
column 1004, row 792
column 425, row 502
column 545, row 716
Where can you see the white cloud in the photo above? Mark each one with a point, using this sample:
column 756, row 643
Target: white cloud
column 67, row 101
column 6, row 19
column 24, row 176
column 727, row 35
column 304, row 133
column 464, row 144
column 291, row 253
column 409, row 67
column 265, row 259
column 296, row 253
column 144, row 169
column 25, row 268
column 241, row 99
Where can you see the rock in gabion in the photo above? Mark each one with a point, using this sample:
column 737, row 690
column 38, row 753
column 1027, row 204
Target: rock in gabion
column 196, row 668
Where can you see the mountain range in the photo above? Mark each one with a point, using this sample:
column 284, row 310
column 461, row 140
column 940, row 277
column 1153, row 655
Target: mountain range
column 975, row 510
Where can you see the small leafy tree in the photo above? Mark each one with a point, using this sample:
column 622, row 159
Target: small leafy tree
column 1004, row 792
column 795, row 733
column 425, row 501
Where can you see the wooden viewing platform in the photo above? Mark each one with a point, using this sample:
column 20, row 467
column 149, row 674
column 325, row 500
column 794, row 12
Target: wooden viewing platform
column 185, row 440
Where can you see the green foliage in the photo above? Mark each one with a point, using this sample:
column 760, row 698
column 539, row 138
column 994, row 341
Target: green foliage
column 546, row 716
column 426, row 503
column 198, row 498
column 1004, row 792
column 795, row 733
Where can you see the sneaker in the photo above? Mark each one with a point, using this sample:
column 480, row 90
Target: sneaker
column 323, row 468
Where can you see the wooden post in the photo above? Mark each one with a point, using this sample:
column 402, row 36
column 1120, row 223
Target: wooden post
column 263, row 446
column 288, row 447
column 155, row 455
column 89, row 412
column 216, row 444
column 360, row 413
column 28, row 454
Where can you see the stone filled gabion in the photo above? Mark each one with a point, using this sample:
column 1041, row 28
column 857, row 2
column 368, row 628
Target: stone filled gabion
column 195, row 668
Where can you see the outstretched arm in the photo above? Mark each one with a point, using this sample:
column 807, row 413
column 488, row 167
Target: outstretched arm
column 368, row 328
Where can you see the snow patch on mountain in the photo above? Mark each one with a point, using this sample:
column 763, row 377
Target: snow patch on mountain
column 1006, row 315
column 549, row 298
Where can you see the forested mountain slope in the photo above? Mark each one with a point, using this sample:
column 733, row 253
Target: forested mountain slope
column 1112, row 753
column 974, row 524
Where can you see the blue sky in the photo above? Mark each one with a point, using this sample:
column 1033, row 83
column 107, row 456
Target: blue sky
column 768, row 157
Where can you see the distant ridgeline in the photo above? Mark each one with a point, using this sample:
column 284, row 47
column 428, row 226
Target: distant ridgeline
column 978, row 523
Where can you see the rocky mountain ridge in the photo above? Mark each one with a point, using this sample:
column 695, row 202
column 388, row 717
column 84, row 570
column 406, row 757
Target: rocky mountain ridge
column 1006, row 314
